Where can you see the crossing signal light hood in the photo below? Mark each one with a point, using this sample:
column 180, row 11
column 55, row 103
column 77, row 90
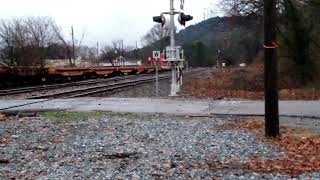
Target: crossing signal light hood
column 160, row 19
column 184, row 18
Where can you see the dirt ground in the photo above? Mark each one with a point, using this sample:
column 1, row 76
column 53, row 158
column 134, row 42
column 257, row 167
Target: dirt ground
column 243, row 83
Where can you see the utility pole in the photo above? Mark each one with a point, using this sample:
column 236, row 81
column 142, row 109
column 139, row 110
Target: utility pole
column 98, row 51
column 122, row 59
column 271, row 70
column 73, row 49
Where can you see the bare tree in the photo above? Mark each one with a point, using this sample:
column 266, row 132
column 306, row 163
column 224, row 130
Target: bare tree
column 75, row 49
column 116, row 51
column 297, row 26
column 72, row 50
column 109, row 53
column 242, row 7
column 64, row 42
column 25, row 41
column 7, row 42
column 42, row 35
column 112, row 52
column 14, row 39
column 155, row 34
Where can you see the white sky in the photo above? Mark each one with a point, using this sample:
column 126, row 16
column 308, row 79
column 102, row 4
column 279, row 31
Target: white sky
column 103, row 20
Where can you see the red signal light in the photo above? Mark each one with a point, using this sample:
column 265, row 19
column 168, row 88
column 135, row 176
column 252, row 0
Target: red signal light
column 149, row 59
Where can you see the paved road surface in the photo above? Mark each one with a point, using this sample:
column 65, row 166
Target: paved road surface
column 170, row 106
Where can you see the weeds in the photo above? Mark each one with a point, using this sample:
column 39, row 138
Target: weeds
column 62, row 117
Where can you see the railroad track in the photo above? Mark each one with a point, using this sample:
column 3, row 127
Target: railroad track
column 109, row 85
column 62, row 85
column 108, row 88
column 99, row 89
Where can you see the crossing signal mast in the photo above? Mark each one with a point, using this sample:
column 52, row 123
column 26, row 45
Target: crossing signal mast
column 173, row 53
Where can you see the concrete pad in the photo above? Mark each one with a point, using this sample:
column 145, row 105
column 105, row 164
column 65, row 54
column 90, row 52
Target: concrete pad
column 9, row 104
column 170, row 106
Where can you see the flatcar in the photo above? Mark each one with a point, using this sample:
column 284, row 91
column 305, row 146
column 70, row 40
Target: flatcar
column 9, row 76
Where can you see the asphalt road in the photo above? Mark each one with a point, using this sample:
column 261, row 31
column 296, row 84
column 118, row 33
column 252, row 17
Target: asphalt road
column 309, row 109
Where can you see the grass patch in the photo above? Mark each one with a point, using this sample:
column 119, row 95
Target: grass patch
column 139, row 116
column 62, row 117
column 131, row 116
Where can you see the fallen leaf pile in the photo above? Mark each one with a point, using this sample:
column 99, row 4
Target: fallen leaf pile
column 301, row 149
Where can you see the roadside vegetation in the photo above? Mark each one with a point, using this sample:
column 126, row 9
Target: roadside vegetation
column 244, row 83
column 63, row 117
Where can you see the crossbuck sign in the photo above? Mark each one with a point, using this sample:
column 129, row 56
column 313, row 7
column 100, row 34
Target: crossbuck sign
column 156, row 54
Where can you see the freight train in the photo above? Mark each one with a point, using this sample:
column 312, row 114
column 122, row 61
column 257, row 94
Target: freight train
column 14, row 76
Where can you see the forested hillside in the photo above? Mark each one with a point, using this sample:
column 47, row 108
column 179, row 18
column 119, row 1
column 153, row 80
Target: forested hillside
column 238, row 38
column 228, row 39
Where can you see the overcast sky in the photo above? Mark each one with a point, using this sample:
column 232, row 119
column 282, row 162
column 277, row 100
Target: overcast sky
column 103, row 20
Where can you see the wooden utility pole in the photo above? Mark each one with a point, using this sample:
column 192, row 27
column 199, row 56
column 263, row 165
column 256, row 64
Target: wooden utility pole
column 98, row 50
column 73, row 49
column 271, row 70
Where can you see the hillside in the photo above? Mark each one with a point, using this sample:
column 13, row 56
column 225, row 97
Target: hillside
column 233, row 37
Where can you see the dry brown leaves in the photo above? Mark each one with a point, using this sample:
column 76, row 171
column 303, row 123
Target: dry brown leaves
column 60, row 137
column 299, row 94
column 301, row 148
column 242, row 83
column 5, row 140
column 2, row 117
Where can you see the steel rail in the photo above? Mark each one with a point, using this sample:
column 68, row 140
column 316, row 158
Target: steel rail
column 55, row 86
column 96, row 89
column 115, row 88
column 104, row 88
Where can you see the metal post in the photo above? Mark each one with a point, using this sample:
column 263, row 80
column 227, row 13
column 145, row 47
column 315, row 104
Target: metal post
column 172, row 45
column 172, row 29
column 157, row 81
column 271, row 70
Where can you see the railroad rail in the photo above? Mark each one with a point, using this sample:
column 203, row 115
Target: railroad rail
column 94, row 90
column 99, row 89
column 106, row 88
column 14, row 91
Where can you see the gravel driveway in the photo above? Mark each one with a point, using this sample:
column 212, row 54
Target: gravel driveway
column 127, row 146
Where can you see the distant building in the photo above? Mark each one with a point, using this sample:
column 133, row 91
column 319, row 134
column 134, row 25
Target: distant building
column 242, row 64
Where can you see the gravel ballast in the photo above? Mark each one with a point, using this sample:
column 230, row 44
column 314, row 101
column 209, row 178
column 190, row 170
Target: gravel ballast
column 128, row 146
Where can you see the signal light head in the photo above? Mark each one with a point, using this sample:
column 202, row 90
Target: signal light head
column 160, row 19
column 184, row 18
